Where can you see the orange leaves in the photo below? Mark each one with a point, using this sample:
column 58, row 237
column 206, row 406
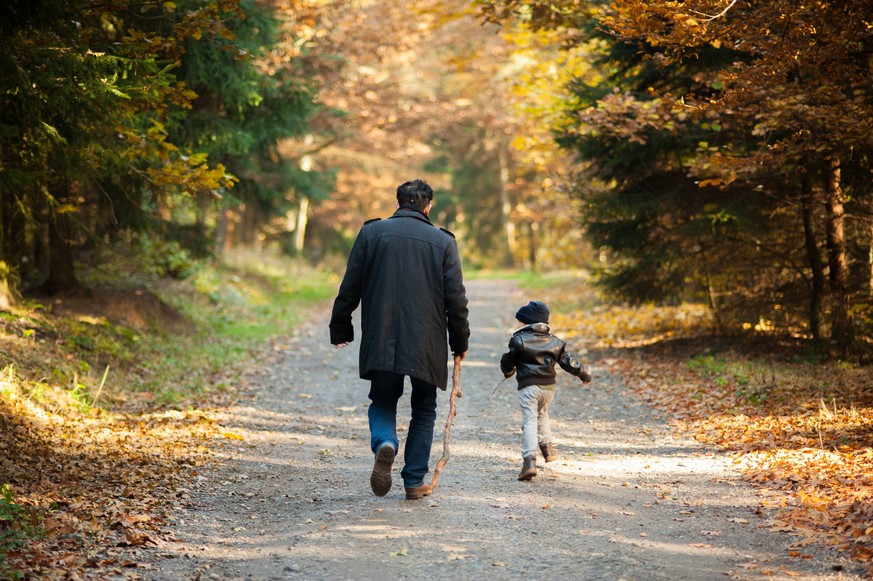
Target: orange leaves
column 96, row 481
column 819, row 456
column 802, row 429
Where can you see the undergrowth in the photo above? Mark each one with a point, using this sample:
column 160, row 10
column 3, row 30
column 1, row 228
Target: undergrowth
column 102, row 390
column 799, row 421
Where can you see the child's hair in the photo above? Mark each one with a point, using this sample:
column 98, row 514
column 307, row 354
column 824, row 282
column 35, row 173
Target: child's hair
column 533, row 312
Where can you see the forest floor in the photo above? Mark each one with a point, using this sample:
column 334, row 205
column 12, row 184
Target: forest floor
column 286, row 493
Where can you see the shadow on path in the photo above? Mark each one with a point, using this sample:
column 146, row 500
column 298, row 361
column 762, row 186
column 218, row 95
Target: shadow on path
column 628, row 499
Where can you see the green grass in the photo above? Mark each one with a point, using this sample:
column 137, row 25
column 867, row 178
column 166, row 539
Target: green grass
column 224, row 313
column 528, row 279
column 16, row 528
column 235, row 309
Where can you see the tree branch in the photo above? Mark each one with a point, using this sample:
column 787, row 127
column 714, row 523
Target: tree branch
column 709, row 18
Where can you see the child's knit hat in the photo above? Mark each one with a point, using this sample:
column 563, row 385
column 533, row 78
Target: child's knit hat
column 533, row 312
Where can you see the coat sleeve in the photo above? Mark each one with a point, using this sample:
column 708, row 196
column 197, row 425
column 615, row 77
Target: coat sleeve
column 571, row 365
column 349, row 295
column 456, row 300
column 509, row 360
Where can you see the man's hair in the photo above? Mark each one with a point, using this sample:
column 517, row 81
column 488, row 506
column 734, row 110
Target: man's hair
column 415, row 194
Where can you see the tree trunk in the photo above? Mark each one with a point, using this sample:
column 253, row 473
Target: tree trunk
column 870, row 263
column 813, row 256
column 200, row 229
column 7, row 290
column 842, row 331
column 532, row 249
column 13, row 245
column 7, row 295
column 300, row 226
column 506, row 206
column 712, row 295
column 303, row 210
column 250, row 220
column 61, row 269
column 223, row 240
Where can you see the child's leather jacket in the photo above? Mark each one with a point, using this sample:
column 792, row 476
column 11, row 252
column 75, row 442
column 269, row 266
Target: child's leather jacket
column 533, row 352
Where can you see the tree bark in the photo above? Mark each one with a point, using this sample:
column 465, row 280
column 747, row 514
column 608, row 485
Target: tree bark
column 300, row 226
column 870, row 264
column 506, row 206
column 7, row 291
column 223, row 239
column 712, row 295
column 813, row 256
column 532, row 248
column 61, row 268
column 303, row 210
column 249, row 222
column 14, row 244
column 7, row 295
column 842, row 332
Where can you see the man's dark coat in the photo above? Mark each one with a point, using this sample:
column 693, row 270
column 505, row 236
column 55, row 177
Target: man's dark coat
column 406, row 274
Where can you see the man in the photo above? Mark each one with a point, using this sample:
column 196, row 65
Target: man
column 406, row 274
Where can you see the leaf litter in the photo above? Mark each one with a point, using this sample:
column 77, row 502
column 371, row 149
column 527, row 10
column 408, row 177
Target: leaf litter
column 801, row 429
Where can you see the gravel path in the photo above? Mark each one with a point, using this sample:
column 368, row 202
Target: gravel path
column 628, row 499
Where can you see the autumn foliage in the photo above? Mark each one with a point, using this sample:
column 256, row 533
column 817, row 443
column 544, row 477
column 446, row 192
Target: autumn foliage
column 797, row 427
column 723, row 154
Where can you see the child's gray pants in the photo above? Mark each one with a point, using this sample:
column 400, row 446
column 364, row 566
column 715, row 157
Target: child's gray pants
column 535, row 427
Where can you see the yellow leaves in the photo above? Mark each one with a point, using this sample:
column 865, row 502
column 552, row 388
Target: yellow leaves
column 197, row 159
column 100, row 480
column 827, row 489
column 686, row 20
column 813, row 450
column 716, row 182
column 66, row 209
column 192, row 174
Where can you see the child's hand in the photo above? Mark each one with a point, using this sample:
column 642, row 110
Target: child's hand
column 508, row 375
column 585, row 377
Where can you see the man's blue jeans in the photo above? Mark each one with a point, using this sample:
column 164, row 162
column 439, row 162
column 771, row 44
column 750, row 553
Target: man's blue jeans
column 386, row 387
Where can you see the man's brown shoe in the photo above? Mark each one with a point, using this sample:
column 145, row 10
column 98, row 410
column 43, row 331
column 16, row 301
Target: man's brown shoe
column 418, row 492
column 380, row 479
column 549, row 453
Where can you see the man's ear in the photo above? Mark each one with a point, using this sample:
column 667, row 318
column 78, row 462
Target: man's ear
column 427, row 209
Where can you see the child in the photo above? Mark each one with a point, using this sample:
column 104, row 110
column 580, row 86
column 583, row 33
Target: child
column 533, row 352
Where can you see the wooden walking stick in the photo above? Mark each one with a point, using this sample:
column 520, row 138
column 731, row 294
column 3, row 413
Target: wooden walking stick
column 456, row 393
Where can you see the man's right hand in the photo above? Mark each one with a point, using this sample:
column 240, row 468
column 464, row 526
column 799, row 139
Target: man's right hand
column 341, row 345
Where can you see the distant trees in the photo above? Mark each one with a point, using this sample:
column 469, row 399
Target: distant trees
column 726, row 154
column 119, row 116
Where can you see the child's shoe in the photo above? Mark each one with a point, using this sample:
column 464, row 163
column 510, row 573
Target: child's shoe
column 529, row 470
column 549, row 452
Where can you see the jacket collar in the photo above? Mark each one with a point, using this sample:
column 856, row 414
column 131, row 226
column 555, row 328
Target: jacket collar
column 411, row 213
column 535, row 328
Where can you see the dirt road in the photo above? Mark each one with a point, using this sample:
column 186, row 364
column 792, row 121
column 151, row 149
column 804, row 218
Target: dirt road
column 627, row 500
